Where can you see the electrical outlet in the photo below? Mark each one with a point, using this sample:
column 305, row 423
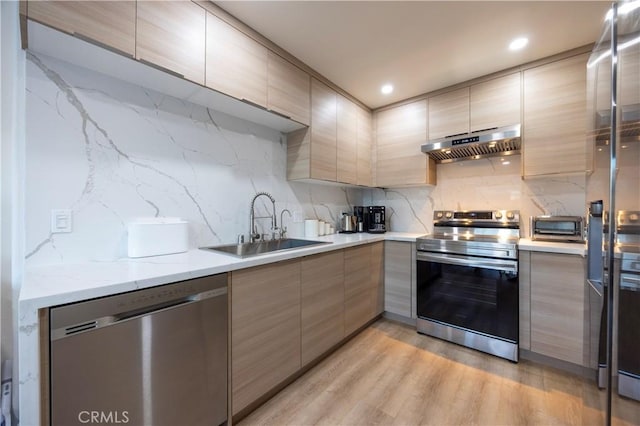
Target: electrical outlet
column 61, row 221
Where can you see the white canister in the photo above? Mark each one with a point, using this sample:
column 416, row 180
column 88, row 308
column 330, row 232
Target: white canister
column 320, row 227
column 327, row 228
column 311, row 228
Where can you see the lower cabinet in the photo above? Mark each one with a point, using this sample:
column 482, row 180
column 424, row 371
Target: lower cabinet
column 377, row 278
column 265, row 329
column 363, row 285
column 559, row 311
column 287, row 314
column 398, row 277
column 322, row 305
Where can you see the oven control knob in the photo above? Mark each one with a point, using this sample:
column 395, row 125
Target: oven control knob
column 448, row 215
column 633, row 217
column 510, row 215
column 498, row 215
column 439, row 215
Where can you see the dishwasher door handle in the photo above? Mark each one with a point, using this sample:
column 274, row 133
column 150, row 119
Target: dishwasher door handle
column 93, row 324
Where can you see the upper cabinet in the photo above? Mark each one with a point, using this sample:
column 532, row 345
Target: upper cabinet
column 312, row 152
column 492, row 103
column 337, row 145
column 171, row 35
column 495, row 103
column 400, row 131
column 236, row 63
column 288, row 89
column 555, row 116
column 449, row 114
column 109, row 23
column 364, row 148
column 324, row 104
column 347, row 142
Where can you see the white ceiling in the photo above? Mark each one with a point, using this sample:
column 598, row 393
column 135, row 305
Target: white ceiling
column 418, row 46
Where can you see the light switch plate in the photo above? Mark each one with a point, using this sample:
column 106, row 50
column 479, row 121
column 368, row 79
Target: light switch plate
column 61, row 221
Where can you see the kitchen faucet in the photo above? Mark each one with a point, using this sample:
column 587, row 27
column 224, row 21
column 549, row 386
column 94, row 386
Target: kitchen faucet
column 253, row 232
column 283, row 229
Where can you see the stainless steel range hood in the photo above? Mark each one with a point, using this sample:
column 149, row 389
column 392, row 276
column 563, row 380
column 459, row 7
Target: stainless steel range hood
column 496, row 142
column 628, row 127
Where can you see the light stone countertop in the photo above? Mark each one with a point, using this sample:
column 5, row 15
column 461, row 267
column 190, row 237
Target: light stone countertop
column 527, row 244
column 57, row 284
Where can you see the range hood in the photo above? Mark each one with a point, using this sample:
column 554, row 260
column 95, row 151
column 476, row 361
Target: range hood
column 628, row 127
column 496, row 142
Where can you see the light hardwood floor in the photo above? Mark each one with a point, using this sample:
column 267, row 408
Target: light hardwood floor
column 391, row 375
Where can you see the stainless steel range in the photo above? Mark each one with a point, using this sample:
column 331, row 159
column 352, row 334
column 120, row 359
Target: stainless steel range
column 626, row 281
column 628, row 242
column 467, row 280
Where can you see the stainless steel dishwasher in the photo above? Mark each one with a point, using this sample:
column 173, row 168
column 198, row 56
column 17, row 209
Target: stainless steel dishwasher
column 149, row 357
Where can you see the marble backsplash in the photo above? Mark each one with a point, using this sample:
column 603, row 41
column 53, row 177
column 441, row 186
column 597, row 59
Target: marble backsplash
column 111, row 152
column 490, row 183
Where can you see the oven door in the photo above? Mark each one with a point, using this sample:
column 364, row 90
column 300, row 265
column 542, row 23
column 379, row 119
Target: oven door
column 473, row 293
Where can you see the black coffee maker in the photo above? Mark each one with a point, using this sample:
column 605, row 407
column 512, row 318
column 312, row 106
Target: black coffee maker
column 375, row 220
column 360, row 213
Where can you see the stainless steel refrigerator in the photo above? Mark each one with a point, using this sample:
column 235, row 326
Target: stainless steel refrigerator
column 613, row 192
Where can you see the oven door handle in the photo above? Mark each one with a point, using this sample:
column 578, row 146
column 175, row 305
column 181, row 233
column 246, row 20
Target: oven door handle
column 452, row 259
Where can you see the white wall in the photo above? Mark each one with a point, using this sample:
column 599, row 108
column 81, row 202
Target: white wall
column 111, row 151
column 11, row 171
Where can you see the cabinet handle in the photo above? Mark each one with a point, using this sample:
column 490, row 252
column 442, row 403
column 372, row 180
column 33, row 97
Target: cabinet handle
column 247, row 101
column 163, row 69
column 280, row 114
column 102, row 45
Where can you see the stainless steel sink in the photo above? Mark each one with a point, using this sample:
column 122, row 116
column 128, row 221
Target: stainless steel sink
column 262, row 247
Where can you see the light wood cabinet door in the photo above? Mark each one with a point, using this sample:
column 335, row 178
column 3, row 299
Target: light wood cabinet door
column 171, row 35
column 347, row 143
column 236, row 63
column 400, row 132
column 449, row 114
column 397, row 278
column 109, row 23
column 558, row 307
column 524, row 294
column 377, row 278
column 322, row 305
column 288, row 89
column 495, row 103
column 554, row 134
column 323, row 131
column 357, row 288
column 364, row 137
column 265, row 329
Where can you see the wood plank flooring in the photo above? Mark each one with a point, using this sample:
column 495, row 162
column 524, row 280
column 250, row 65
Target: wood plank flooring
column 391, row 375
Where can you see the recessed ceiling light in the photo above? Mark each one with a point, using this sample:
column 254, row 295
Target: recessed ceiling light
column 506, row 163
column 518, row 43
column 386, row 89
